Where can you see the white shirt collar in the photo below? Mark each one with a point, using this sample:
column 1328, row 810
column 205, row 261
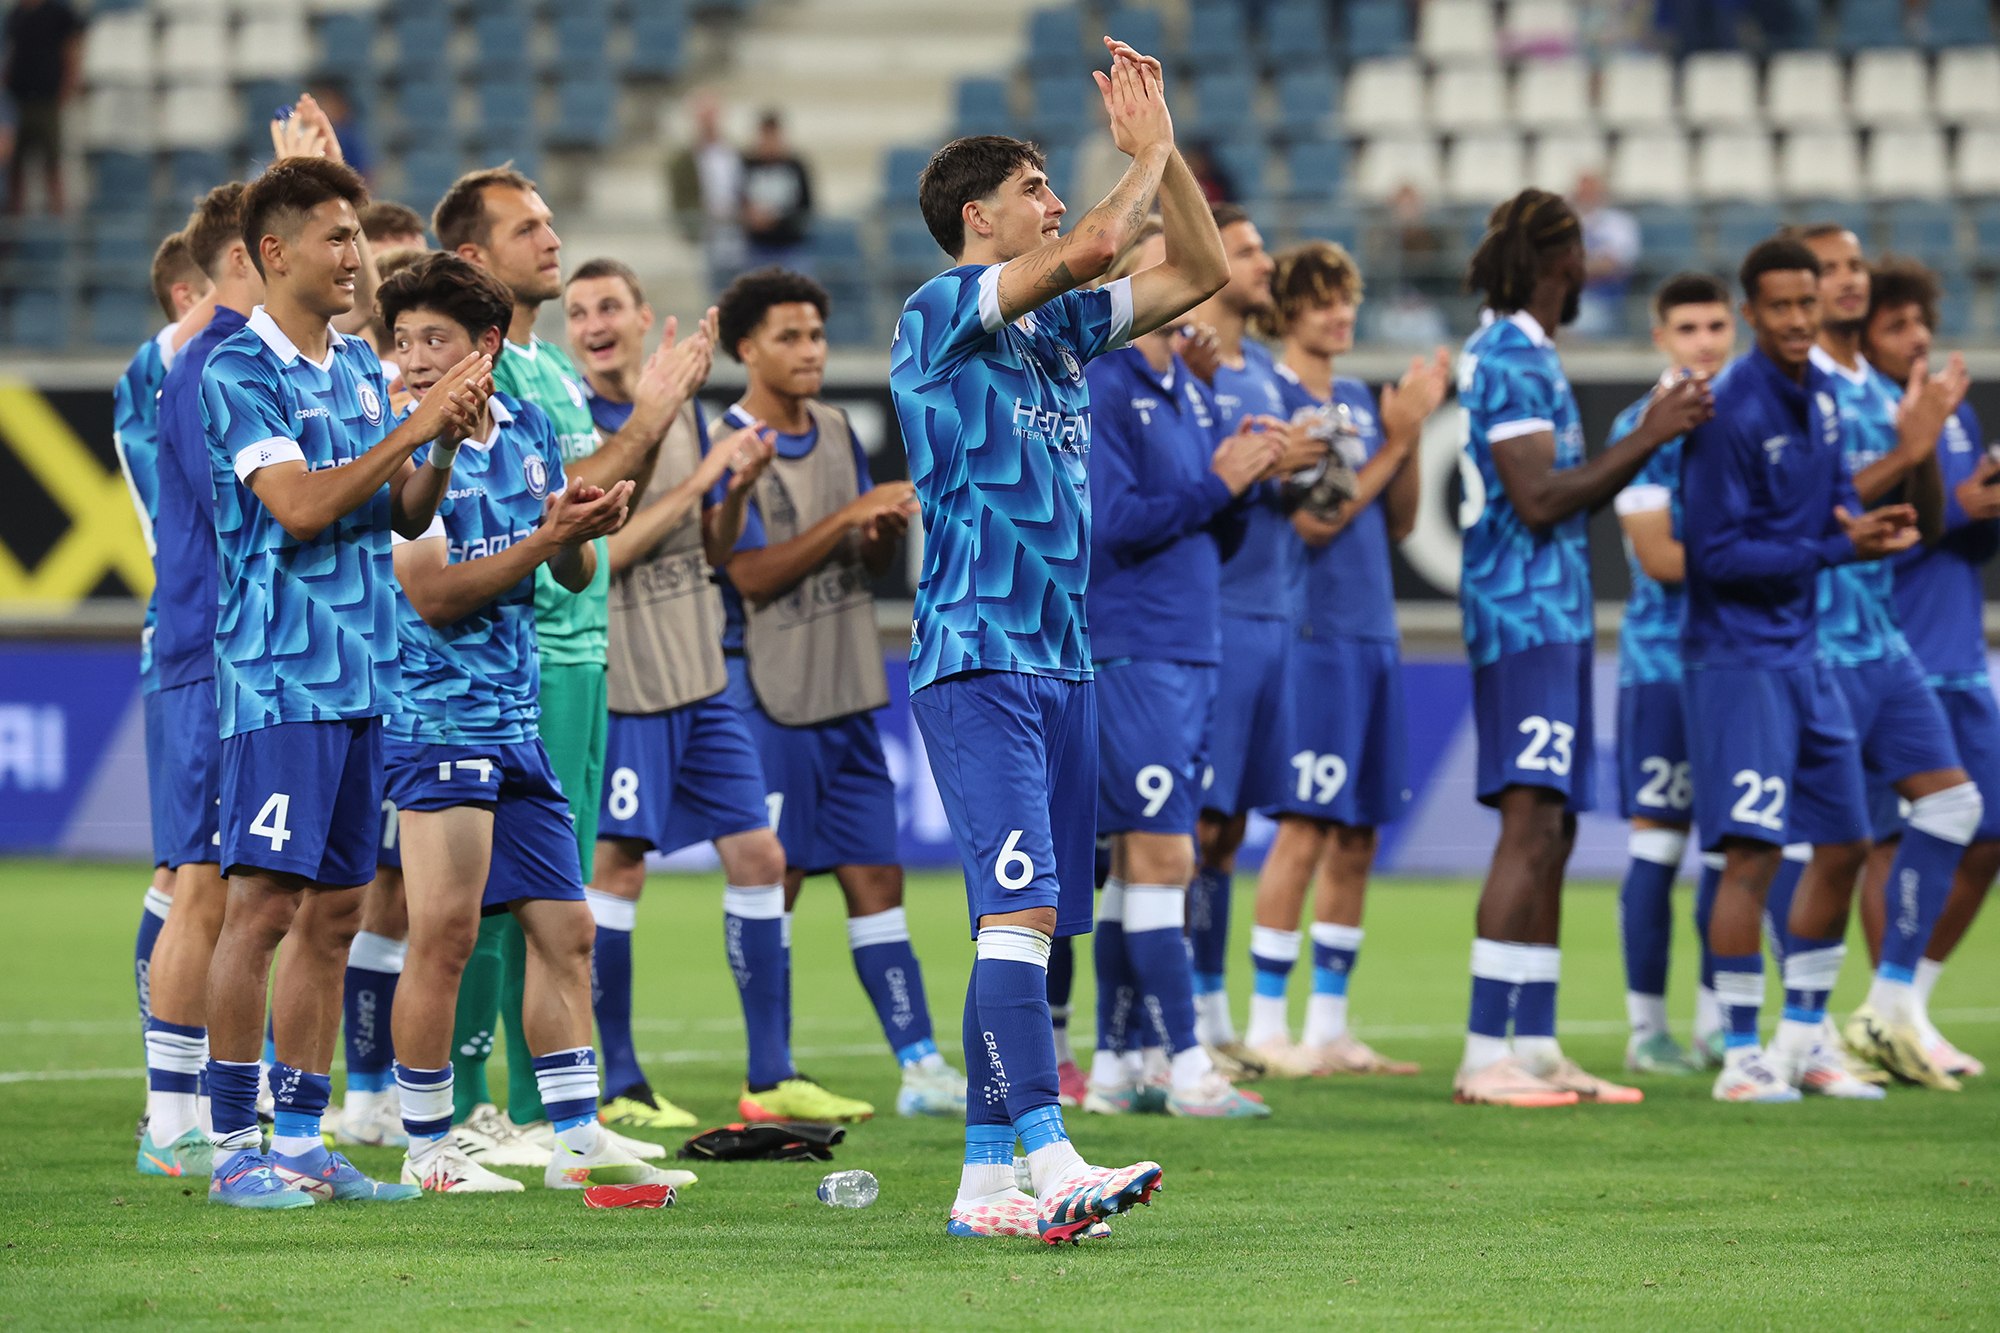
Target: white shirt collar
column 1531, row 326
column 530, row 349
column 288, row 352
column 502, row 419
column 1824, row 360
column 164, row 340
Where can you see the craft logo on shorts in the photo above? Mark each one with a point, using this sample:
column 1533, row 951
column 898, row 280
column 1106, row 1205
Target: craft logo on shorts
column 371, row 404
column 575, row 393
column 537, row 473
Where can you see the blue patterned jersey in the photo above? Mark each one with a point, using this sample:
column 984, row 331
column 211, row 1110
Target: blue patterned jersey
column 1349, row 591
column 1857, row 614
column 1940, row 604
column 996, row 419
column 184, row 561
column 1649, row 638
column 1520, row 589
column 478, row 680
column 1264, row 578
column 135, row 433
column 305, row 631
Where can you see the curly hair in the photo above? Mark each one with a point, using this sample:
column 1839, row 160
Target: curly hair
column 1310, row 274
column 1896, row 280
column 455, row 288
column 742, row 307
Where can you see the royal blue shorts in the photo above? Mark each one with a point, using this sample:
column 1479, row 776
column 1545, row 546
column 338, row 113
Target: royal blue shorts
column 390, row 852
column 678, row 778
column 1975, row 727
column 158, row 784
column 1896, row 713
column 1015, row 760
column 1536, row 728
column 829, row 784
column 1654, row 779
column 1774, row 756
column 1252, row 719
column 1348, row 756
column 1152, row 721
column 534, row 834
column 304, row 798
column 186, row 800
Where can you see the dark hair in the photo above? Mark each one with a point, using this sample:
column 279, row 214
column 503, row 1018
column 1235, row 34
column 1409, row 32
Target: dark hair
column 1688, row 289
column 460, row 217
column 386, row 217
column 742, row 308
column 964, row 170
column 1813, row 231
column 172, row 264
column 1899, row 281
column 216, row 222
column 1311, row 273
column 460, row 290
column 1228, row 215
column 1783, row 253
column 610, row 268
column 294, row 186
column 1520, row 235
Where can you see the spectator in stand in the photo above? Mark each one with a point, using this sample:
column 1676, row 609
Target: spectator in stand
column 331, row 94
column 1610, row 249
column 1411, row 247
column 705, row 184
column 777, row 200
column 44, row 56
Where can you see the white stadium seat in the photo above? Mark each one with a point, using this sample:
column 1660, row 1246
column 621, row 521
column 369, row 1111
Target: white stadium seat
column 191, row 9
column 1907, row 164
column 1890, row 87
column 119, row 118
column 1734, row 164
column 1651, row 166
column 1456, row 30
column 1483, row 168
column 1820, row 164
column 1385, row 95
column 1636, row 92
column 1718, row 88
column 1977, row 169
column 1552, row 93
column 273, row 46
column 198, row 115
column 1468, row 97
column 1968, row 86
column 1545, row 26
column 193, row 50
column 343, row 6
column 118, row 48
column 1392, row 161
column 1804, row 90
column 1558, row 159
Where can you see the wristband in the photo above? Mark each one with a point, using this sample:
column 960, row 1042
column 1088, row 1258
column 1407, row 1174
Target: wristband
column 443, row 455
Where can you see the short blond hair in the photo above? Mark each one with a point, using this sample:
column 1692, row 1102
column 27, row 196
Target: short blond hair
column 1312, row 273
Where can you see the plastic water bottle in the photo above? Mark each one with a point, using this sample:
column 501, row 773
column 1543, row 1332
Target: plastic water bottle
column 849, row 1189
column 1024, row 1180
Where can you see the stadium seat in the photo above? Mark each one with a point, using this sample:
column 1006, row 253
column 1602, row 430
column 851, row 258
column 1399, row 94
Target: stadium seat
column 1967, row 91
column 1225, row 104
column 1907, row 164
column 346, row 41
column 1483, row 168
column 1853, row 214
column 1138, row 28
column 1218, row 37
column 40, row 246
column 1552, row 93
column 658, row 27
column 1651, row 165
column 1558, row 159
column 506, row 106
column 1385, row 94
column 122, row 316
column 1955, row 308
column 119, row 49
column 1059, row 165
column 1242, row 157
column 984, row 107
column 259, row 100
column 1986, row 228
column 197, row 115
column 194, row 51
column 421, row 42
column 1925, row 228
column 41, row 318
column 197, row 171
column 1377, row 28
column 1394, row 160
column 1338, row 225
column 1865, row 23
column 427, row 173
column 1065, row 109
column 1718, row 89
column 914, row 256
column 900, row 168
column 1803, row 90
column 515, row 144
column 1636, row 91
column 271, row 46
column 1820, row 164
column 1976, row 168
column 1789, row 25
column 1468, row 96
column 586, row 112
column 503, row 45
column 1958, row 23
column 1055, row 41
column 582, row 32
column 1734, row 164
column 1295, row 34
column 121, row 252
column 1889, row 88
column 121, row 183
column 1456, row 30
column 1317, row 169
column 425, row 105
column 1667, row 238
column 1741, row 225
column 1306, row 101
column 1539, row 28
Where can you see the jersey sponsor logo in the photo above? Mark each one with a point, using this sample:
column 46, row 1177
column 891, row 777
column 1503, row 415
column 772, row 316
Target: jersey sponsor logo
column 307, row 413
column 463, row 492
column 536, row 473
column 371, row 404
column 1061, row 430
column 1774, row 448
column 1955, row 439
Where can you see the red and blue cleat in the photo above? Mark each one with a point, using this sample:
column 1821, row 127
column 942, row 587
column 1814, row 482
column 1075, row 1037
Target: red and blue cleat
column 1093, row 1194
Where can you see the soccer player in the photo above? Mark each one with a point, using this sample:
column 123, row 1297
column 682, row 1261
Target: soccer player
column 1694, row 328
column 1347, row 773
column 1905, row 737
column 487, row 826
column 309, row 480
column 1260, row 594
column 1938, row 604
column 1164, row 486
column 1772, row 746
column 496, row 218
column 805, row 655
column 1525, row 598
column 987, row 374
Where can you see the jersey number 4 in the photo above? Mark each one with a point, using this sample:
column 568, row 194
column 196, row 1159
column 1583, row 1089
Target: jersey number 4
column 270, row 821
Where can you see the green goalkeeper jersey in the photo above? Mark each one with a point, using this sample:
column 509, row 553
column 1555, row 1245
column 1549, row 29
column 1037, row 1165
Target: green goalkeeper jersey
column 572, row 626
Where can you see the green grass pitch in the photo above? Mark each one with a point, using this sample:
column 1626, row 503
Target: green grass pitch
column 1360, row 1204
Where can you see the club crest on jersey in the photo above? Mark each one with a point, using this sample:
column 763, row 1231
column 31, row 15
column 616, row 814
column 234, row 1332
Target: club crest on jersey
column 1070, row 367
column 536, row 473
column 371, row 404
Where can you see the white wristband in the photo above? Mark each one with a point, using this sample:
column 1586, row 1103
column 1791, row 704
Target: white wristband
column 443, row 455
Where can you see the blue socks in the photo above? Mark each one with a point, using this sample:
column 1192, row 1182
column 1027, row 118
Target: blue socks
column 374, row 964
column 1154, row 918
column 1335, row 950
column 1273, row 953
column 1208, row 928
column 300, row 1100
column 1512, row 985
column 1011, row 983
column 753, row 933
column 175, row 1056
column 568, row 1083
column 1778, row 899
column 1646, row 921
column 151, row 917
column 1116, row 992
column 426, row 1097
column 611, row 989
column 1934, row 840
column 894, row 980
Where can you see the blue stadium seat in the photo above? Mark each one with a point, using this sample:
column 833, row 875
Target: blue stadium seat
column 427, row 11
column 503, row 44
column 347, row 41
column 1060, row 167
column 1377, row 28
column 984, row 107
column 1138, row 28
column 121, row 252
column 516, row 145
column 425, row 106
column 1955, row 311
column 582, row 29
column 1224, row 101
column 1668, row 241
column 121, row 183
column 1924, row 228
column 1789, row 25
column 1849, row 213
column 122, row 316
column 1986, row 228
column 506, row 106
column 1295, row 34
column 837, row 241
column 427, row 174
column 1055, row 41
column 914, row 256
column 113, row 6
column 1218, row 37
column 196, row 171
column 1958, row 23
column 260, row 98
column 657, row 30
column 1336, row 224
column 1241, row 156
column 1066, row 108
column 1306, row 99
column 1317, row 168
column 586, row 112
column 1865, row 23
column 42, row 318
column 421, row 41
column 899, row 175
column 1740, row 226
